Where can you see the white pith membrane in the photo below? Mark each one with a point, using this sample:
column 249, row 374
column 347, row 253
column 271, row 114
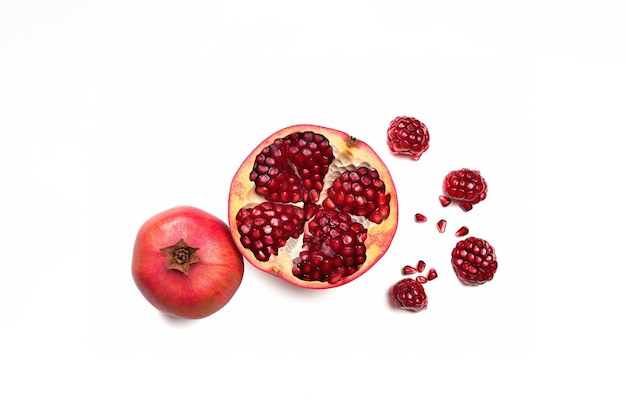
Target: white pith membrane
column 344, row 161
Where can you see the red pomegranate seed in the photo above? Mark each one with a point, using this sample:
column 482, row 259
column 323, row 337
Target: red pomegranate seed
column 432, row 274
column 408, row 270
column 420, row 218
column 421, row 279
column 441, row 225
column 462, row 231
column 445, row 201
column 466, row 205
column 420, row 266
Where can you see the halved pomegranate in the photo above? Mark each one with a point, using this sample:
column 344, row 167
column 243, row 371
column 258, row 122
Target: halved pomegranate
column 313, row 206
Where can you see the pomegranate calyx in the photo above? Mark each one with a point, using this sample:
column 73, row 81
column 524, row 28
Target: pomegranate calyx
column 180, row 256
column 351, row 141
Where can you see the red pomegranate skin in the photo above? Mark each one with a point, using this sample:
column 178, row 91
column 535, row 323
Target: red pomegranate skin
column 210, row 283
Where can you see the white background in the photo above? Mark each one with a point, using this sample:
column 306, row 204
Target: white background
column 113, row 111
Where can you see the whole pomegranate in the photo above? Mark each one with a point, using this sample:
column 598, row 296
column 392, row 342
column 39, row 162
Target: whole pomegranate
column 313, row 206
column 185, row 263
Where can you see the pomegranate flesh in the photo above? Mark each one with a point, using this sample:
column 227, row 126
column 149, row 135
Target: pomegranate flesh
column 185, row 263
column 313, row 206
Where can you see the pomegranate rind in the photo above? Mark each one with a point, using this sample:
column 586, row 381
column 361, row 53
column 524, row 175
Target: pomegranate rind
column 345, row 148
column 211, row 283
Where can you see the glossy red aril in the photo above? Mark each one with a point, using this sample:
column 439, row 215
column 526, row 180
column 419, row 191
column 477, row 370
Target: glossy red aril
column 420, row 218
column 441, row 225
column 313, row 206
column 474, row 261
column 432, row 274
column 462, row 231
column 409, row 270
column 408, row 136
column 185, row 263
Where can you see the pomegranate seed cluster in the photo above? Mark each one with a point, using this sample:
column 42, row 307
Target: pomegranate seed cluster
column 408, row 136
column 409, row 294
column 333, row 248
column 276, row 177
column 266, row 227
column 292, row 170
column 359, row 192
column 465, row 186
column 474, row 261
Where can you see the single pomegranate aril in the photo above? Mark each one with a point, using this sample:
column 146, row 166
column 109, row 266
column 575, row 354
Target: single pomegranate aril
column 408, row 270
column 420, row 218
column 421, row 279
column 408, row 136
column 313, row 206
column 474, row 261
column 465, row 186
column 461, row 232
column 266, row 227
column 445, row 201
column 432, row 274
column 441, row 225
column 359, row 192
column 409, row 294
column 420, row 266
column 466, row 205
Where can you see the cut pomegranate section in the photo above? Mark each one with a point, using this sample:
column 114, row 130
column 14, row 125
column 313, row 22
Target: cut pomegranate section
column 274, row 173
column 266, row 227
column 360, row 192
column 313, row 206
column 333, row 249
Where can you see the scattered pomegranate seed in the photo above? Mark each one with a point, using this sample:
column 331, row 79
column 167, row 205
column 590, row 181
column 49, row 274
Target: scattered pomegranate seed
column 466, row 206
column 408, row 270
column 462, row 231
column 445, row 201
column 420, row 266
column 432, row 274
column 420, row 218
column 421, row 279
column 441, row 225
